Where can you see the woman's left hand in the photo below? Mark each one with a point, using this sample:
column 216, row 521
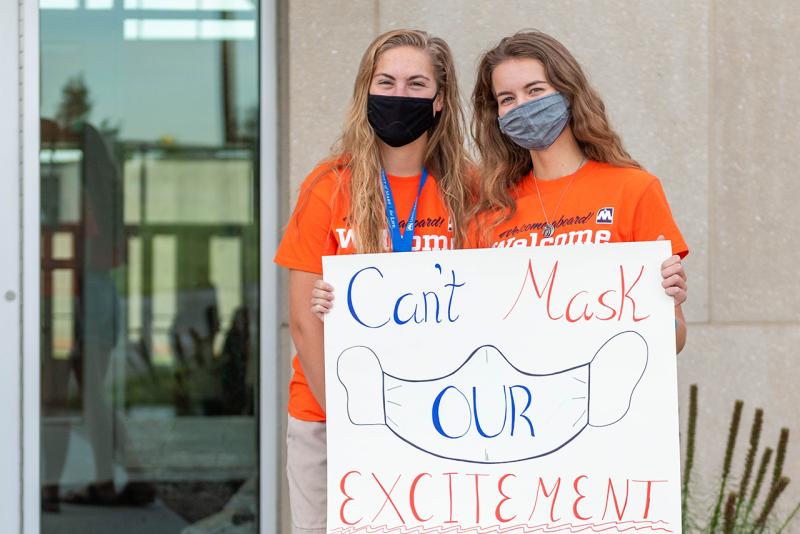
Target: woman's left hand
column 674, row 278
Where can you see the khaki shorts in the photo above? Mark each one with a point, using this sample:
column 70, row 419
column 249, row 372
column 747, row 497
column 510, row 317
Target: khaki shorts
column 306, row 469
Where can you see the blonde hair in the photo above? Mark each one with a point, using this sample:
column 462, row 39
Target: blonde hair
column 357, row 149
column 503, row 163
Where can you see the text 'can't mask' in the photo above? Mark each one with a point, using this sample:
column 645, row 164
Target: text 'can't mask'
column 536, row 124
column 400, row 120
column 488, row 411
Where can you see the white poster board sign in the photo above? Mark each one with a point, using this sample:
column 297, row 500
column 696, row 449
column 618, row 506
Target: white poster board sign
column 503, row 390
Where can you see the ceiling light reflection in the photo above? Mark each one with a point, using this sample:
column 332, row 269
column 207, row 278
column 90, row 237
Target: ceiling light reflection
column 188, row 30
column 191, row 5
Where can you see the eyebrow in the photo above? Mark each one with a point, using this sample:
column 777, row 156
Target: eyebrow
column 414, row 77
column 527, row 86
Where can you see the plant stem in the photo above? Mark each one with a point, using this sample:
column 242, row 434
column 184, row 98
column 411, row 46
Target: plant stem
column 729, row 519
column 755, row 437
column 789, row 519
column 780, row 457
column 733, row 431
column 762, row 471
column 690, row 447
column 769, row 504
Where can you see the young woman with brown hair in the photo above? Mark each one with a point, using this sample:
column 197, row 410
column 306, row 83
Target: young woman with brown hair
column 552, row 170
column 396, row 181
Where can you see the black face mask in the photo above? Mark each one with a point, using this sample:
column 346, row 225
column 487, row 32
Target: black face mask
column 400, row 120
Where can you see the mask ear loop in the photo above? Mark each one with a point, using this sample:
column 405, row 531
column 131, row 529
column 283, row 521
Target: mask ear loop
column 360, row 371
column 436, row 117
column 437, row 114
column 628, row 335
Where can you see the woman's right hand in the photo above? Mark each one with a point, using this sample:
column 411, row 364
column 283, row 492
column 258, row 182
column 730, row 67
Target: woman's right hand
column 321, row 299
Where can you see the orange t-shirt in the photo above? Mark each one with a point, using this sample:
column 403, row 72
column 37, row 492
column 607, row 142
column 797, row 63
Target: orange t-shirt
column 602, row 204
column 318, row 227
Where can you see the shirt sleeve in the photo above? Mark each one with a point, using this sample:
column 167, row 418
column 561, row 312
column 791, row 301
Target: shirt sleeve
column 653, row 218
column 308, row 235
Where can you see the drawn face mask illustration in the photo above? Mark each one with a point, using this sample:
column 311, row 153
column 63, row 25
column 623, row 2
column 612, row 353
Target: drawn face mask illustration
column 489, row 411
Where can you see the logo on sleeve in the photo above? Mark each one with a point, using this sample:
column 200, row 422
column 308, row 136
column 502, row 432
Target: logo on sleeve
column 605, row 216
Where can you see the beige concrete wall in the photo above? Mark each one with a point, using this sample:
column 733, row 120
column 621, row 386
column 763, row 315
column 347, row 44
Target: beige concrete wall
column 704, row 94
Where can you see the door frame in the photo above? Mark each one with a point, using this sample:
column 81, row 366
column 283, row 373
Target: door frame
column 11, row 308
column 271, row 403
column 20, row 274
column 29, row 260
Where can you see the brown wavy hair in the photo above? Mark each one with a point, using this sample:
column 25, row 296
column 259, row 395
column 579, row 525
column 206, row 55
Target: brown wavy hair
column 503, row 164
column 357, row 150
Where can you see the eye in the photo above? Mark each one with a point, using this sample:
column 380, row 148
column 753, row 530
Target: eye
column 418, row 84
column 535, row 90
column 384, row 82
column 506, row 100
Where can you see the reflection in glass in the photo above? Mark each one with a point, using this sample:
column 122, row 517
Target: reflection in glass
column 149, row 266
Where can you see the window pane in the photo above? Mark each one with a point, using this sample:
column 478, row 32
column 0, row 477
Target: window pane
column 149, row 265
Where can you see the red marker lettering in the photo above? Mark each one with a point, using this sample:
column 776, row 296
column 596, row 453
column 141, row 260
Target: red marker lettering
column 610, row 491
column 411, row 500
column 549, row 285
column 581, row 497
column 347, row 500
column 647, row 500
column 450, row 484
column 504, row 499
column 477, row 495
column 553, row 492
column 388, row 499
column 585, row 316
column 627, row 295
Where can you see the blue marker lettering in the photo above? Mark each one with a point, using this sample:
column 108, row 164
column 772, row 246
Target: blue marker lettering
column 453, row 287
column 522, row 413
column 350, row 297
column 475, row 409
column 397, row 318
column 437, row 423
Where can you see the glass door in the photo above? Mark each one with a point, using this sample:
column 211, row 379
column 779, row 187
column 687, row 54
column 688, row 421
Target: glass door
column 151, row 276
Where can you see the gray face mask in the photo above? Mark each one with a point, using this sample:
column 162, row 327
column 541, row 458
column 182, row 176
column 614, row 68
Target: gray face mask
column 536, row 124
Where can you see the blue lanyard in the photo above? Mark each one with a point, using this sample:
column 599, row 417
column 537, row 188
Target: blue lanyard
column 401, row 243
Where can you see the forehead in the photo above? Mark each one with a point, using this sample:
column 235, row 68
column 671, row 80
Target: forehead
column 515, row 73
column 404, row 62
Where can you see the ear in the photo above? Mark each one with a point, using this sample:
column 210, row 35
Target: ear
column 438, row 102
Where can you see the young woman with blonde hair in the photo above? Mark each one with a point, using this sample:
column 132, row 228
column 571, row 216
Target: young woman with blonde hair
column 552, row 169
column 396, row 181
